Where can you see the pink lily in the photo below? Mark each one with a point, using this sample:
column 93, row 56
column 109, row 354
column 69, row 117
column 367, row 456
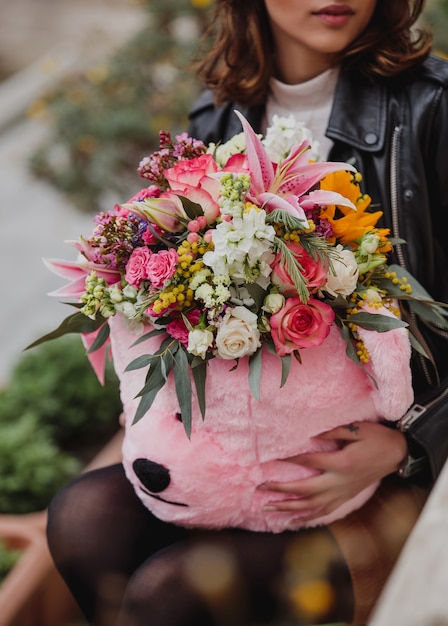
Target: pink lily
column 97, row 359
column 76, row 272
column 166, row 211
column 284, row 186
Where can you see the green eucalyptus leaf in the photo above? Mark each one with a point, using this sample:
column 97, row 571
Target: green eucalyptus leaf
column 416, row 345
column 145, row 404
column 351, row 352
column 183, row 388
column 152, row 333
column 199, row 371
column 101, row 338
column 255, row 364
column 286, row 367
column 429, row 312
column 377, row 321
column 141, row 361
column 76, row 323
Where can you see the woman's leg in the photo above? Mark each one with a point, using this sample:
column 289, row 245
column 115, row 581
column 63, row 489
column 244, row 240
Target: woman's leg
column 98, row 534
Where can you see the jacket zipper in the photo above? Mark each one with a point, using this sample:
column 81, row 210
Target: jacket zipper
column 416, row 410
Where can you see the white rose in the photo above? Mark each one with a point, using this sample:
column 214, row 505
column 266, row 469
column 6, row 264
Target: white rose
column 342, row 279
column 199, row 341
column 238, row 334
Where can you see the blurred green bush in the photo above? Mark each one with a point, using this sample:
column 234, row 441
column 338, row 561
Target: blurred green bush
column 54, row 417
column 8, row 558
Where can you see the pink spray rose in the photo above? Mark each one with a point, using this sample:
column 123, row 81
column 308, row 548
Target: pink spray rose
column 136, row 266
column 313, row 271
column 299, row 325
column 161, row 267
column 177, row 328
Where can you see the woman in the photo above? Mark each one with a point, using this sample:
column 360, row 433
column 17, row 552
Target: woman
column 357, row 69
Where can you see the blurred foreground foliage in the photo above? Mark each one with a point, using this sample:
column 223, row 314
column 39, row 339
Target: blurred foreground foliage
column 54, row 417
column 106, row 118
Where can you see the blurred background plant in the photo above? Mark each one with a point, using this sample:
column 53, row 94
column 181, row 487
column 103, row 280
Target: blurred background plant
column 54, row 417
column 105, row 119
column 436, row 15
column 108, row 117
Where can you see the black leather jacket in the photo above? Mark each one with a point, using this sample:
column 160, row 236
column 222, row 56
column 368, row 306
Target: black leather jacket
column 396, row 133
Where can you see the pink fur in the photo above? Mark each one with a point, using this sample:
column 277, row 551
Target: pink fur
column 240, row 442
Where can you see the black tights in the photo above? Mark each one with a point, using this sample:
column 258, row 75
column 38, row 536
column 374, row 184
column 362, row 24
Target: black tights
column 127, row 568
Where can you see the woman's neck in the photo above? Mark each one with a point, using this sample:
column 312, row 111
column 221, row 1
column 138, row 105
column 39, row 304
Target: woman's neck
column 292, row 73
column 294, row 66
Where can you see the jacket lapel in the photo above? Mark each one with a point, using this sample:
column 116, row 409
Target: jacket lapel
column 358, row 116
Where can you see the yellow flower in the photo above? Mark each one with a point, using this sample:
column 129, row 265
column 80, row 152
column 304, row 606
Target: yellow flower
column 349, row 225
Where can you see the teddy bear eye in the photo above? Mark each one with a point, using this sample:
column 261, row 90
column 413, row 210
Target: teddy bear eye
column 179, row 417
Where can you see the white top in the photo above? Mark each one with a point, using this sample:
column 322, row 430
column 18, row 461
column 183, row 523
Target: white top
column 310, row 103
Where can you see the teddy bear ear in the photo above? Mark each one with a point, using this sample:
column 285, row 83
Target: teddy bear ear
column 389, row 365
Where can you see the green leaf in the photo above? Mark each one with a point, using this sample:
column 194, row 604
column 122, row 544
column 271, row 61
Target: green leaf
column 351, row 352
column 141, row 361
column 376, row 321
column 286, row 367
column 419, row 301
column 183, row 388
column 285, row 361
column 192, row 209
column 255, row 364
column 199, row 371
column 154, row 378
column 76, row 323
column 145, row 404
column 101, row 338
column 152, row 333
column 429, row 312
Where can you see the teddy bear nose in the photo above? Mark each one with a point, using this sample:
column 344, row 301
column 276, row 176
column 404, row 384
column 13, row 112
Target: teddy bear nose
column 153, row 476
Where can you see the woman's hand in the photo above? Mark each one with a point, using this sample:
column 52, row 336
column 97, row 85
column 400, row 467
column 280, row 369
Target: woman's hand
column 368, row 452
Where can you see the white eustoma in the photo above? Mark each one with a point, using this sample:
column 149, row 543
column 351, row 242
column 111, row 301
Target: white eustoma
column 222, row 153
column 243, row 248
column 273, row 303
column 237, row 335
column 199, row 341
column 342, row 280
column 283, row 134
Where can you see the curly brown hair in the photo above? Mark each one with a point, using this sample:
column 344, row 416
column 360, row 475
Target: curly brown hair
column 238, row 48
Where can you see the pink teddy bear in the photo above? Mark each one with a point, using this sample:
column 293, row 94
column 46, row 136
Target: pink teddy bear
column 211, row 479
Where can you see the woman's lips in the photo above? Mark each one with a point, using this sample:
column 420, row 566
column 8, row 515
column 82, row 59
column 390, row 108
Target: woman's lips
column 334, row 14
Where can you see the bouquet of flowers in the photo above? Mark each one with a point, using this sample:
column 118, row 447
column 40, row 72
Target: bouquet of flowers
column 235, row 248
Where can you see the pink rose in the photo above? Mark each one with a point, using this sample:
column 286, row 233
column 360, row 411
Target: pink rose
column 190, row 172
column 148, row 192
column 177, row 328
column 136, row 266
column 312, row 270
column 299, row 325
column 191, row 178
column 161, row 266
